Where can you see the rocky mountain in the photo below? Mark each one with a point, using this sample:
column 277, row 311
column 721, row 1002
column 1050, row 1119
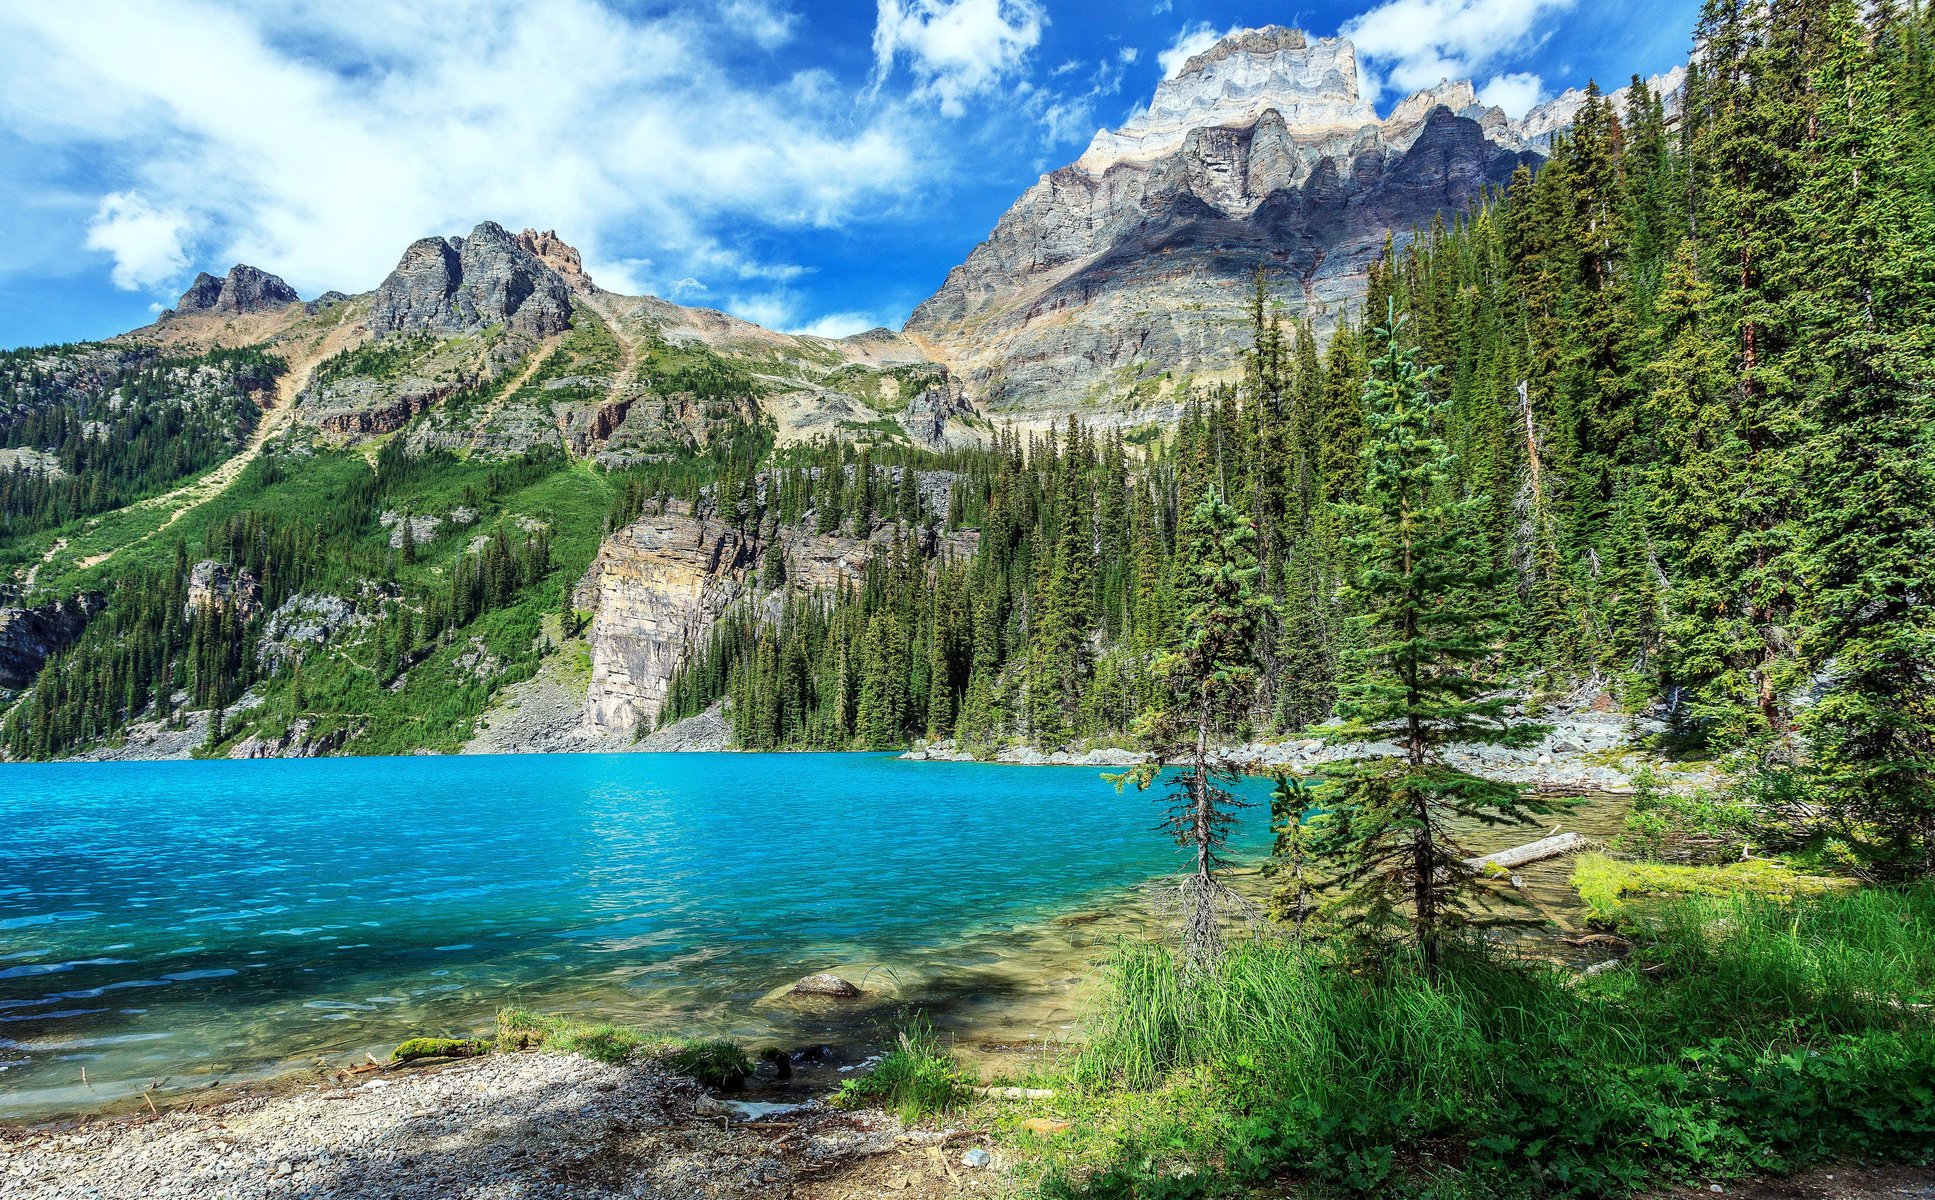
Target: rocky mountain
column 244, row 290
column 1546, row 121
column 463, row 284
column 1117, row 281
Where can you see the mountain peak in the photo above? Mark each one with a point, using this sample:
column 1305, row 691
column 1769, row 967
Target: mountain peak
column 556, row 253
column 1310, row 82
column 245, row 290
column 1261, row 43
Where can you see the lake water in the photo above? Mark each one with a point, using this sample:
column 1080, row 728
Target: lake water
column 169, row 924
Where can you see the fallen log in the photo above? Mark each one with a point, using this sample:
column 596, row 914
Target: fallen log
column 1014, row 1093
column 1531, row 852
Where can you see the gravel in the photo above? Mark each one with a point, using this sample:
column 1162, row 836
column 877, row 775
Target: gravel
column 527, row 1125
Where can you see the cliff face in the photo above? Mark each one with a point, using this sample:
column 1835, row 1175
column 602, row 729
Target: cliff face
column 1119, row 279
column 30, row 636
column 658, row 585
column 461, row 285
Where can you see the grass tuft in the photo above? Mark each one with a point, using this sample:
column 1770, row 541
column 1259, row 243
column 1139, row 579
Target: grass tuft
column 720, row 1064
column 1761, row 1036
column 918, row 1078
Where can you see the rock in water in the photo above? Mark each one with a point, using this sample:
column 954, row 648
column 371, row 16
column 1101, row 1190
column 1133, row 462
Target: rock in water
column 825, row 984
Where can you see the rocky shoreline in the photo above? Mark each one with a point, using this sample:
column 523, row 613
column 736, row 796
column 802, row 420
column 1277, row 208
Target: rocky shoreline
column 1583, row 751
column 531, row 1125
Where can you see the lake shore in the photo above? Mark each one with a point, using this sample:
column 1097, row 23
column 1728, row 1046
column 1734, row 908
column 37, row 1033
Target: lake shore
column 529, row 1124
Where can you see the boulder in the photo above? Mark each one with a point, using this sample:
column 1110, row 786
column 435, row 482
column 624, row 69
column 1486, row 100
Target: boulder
column 825, row 984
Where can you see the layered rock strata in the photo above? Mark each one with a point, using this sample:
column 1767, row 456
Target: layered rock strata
column 1117, row 281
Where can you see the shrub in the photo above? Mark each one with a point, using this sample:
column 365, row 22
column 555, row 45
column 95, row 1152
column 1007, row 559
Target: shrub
column 916, row 1079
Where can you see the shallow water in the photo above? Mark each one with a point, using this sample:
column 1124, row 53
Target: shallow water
column 166, row 925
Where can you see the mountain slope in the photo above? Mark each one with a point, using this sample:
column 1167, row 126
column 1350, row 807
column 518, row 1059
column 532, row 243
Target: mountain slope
column 1118, row 280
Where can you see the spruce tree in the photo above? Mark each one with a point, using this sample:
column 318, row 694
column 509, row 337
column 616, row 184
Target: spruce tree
column 1418, row 681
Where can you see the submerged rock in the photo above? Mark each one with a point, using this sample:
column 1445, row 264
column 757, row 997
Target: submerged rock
column 825, row 984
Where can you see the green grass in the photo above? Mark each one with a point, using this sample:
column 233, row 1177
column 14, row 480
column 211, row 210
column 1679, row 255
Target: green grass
column 522, row 1029
column 1752, row 1035
column 1605, row 883
column 918, row 1078
column 718, row 1063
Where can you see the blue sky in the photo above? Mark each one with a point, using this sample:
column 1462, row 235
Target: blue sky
column 810, row 166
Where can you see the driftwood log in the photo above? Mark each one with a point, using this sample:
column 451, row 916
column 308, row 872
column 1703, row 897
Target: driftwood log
column 1546, row 847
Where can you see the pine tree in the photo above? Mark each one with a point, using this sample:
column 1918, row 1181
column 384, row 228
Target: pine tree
column 1428, row 630
column 1870, row 537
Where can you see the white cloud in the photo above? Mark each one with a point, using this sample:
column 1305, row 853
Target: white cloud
column 318, row 138
column 146, row 242
column 1071, row 117
column 1515, row 92
column 956, row 49
column 1412, row 44
column 1190, row 41
column 840, row 324
column 768, row 25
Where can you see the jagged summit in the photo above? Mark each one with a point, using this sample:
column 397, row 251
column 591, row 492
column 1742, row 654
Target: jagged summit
column 244, row 290
column 1310, row 83
column 461, row 284
column 1117, row 282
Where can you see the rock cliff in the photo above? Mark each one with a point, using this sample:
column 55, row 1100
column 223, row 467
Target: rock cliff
column 1118, row 280
column 461, row 285
column 30, row 636
column 657, row 586
column 244, row 290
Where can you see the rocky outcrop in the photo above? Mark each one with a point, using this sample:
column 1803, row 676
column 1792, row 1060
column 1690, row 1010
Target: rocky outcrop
column 217, row 586
column 1555, row 116
column 460, row 285
column 298, row 740
column 244, row 290
column 31, row 636
column 1117, row 281
column 554, row 252
column 656, row 588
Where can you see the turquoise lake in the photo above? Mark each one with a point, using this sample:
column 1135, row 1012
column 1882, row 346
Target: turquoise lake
column 169, row 924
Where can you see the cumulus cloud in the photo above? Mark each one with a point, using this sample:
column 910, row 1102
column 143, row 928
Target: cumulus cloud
column 1412, row 44
column 1190, row 41
column 146, row 242
column 768, row 25
column 1515, row 92
column 956, row 49
column 317, row 138
column 840, row 324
